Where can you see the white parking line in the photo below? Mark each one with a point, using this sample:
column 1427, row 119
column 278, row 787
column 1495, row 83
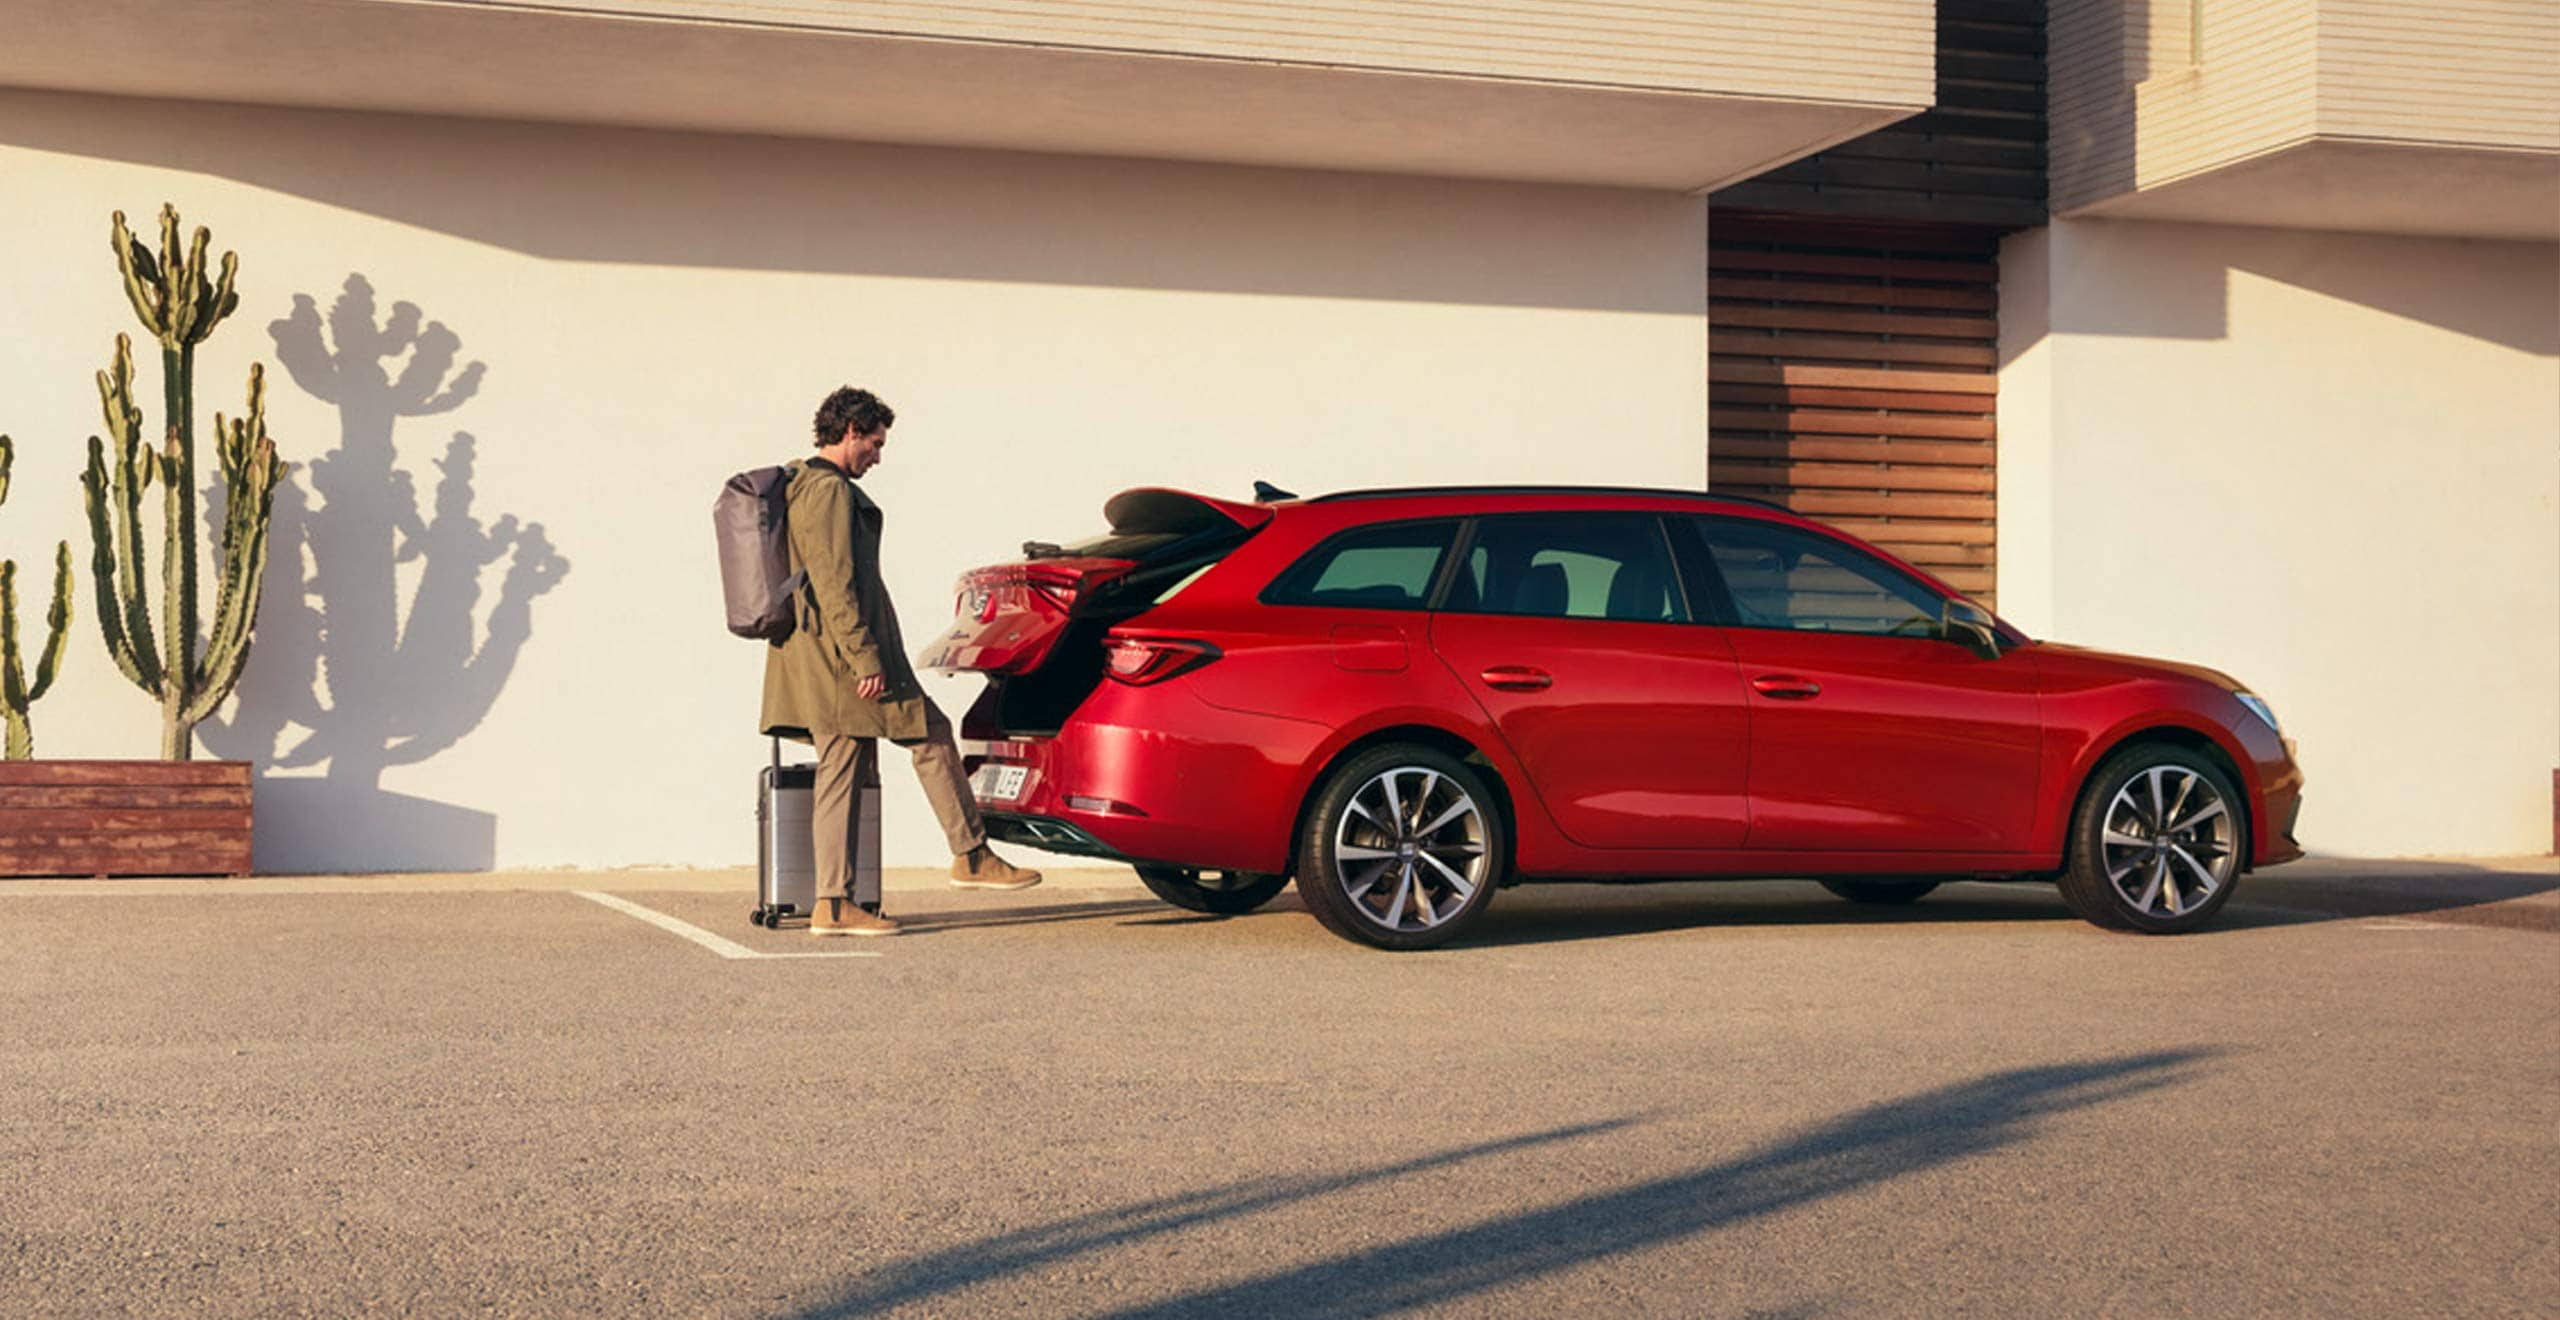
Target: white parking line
column 726, row 948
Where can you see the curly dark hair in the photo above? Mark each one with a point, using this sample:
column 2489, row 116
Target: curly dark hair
column 861, row 410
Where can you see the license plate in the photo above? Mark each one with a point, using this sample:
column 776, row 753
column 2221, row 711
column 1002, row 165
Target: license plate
column 998, row 783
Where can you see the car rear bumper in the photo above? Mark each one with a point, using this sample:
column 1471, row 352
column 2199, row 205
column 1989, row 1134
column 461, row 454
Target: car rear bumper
column 1048, row 833
column 1153, row 774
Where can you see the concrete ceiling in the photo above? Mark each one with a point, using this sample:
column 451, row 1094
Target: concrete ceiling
column 2371, row 187
column 514, row 62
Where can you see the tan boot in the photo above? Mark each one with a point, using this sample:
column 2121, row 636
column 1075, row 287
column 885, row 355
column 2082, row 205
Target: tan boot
column 835, row 916
column 980, row 868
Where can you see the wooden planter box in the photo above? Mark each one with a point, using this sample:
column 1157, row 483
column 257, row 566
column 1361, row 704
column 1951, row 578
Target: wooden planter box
column 114, row 818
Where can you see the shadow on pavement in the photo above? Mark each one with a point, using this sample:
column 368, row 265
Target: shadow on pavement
column 2521, row 896
column 2316, row 890
column 935, row 923
column 1860, row 1149
column 1553, row 914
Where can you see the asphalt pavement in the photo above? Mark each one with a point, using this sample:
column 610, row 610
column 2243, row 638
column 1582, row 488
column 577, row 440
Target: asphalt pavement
column 447, row 1096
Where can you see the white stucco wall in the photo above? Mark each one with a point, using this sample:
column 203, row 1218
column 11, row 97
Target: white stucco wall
column 649, row 312
column 2327, row 464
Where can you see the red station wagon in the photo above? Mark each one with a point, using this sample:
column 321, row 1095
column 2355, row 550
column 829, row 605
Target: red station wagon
column 1408, row 699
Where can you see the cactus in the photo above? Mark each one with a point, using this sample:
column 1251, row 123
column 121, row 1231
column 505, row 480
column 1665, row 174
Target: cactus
column 16, row 692
column 188, row 668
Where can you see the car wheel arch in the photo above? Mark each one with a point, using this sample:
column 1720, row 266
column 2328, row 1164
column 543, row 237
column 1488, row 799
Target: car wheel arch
column 1428, row 735
column 2185, row 738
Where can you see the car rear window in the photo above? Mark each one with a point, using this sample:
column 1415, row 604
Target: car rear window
column 1390, row 566
column 1612, row 566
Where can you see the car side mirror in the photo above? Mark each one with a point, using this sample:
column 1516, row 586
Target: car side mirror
column 1970, row 626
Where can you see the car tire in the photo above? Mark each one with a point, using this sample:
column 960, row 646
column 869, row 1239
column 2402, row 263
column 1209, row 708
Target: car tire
column 2125, row 873
column 1402, row 849
column 1881, row 893
column 1220, row 893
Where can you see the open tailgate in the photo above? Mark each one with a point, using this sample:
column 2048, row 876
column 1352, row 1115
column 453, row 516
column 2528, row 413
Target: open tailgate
column 1009, row 618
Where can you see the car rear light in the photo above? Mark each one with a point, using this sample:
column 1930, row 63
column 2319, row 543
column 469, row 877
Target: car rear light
column 1057, row 583
column 1139, row 661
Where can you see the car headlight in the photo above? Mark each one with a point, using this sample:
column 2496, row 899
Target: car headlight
column 2258, row 706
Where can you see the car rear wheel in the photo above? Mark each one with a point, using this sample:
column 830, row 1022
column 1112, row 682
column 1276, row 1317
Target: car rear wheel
column 1883, row 893
column 1225, row 893
column 1402, row 849
column 2156, row 844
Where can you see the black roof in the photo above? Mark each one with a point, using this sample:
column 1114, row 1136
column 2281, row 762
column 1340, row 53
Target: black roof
column 1390, row 492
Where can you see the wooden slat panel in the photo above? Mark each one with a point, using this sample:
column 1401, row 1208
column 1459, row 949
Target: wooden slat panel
column 1832, row 421
column 1904, row 448
column 1838, row 322
column 103, row 820
column 1921, row 179
column 1992, row 214
column 1862, row 378
column 124, row 772
column 1833, row 263
column 100, row 795
column 1864, row 295
column 1848, row 476
column 1748, row 226
column 1821, row 504
column 1932, row 556
column 1894, row 144
column 1850, row 349
column 1975, row 123
column 82, row 861
column 1904, row 531
column 124, row 842
column 1977, row 405
column 1831, row 449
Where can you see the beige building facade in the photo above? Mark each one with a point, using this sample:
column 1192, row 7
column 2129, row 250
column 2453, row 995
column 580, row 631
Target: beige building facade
column 2325, row 463
column 529, row 280
column 2284, row 372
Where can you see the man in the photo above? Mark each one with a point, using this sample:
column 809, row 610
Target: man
column 842, row 680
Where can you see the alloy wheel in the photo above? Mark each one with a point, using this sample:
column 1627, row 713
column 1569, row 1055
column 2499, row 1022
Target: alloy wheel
column 2168, row 842
column 1410, row 849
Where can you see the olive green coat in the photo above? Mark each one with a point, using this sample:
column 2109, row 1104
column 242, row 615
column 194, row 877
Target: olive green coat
column 847, row 630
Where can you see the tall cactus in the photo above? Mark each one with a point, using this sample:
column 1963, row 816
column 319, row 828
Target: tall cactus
column 16, row 693
column 190, row 669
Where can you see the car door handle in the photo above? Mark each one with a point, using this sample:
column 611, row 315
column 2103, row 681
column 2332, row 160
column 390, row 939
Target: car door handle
column 1786, row 687
column 1517, row 678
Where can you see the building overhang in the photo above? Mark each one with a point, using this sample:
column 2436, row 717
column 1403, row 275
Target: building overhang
column 1687, row 120
column 2365, row 186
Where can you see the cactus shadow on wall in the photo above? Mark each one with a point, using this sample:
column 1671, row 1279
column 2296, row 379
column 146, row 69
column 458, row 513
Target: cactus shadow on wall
column 344, row 687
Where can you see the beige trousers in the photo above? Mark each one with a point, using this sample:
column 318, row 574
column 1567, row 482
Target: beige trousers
column 845, row 764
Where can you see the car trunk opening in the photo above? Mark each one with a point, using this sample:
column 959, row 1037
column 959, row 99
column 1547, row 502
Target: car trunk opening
column 1035, row 626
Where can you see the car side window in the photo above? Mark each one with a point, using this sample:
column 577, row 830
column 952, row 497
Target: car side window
column 1569, row 566
column 1785, row 577
column 1386, row 567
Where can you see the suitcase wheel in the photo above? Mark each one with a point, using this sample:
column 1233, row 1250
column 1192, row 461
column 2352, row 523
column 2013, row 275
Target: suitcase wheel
column 755, row 917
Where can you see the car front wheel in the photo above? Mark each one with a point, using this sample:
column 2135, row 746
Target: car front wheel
column 1402, row 848
column 2156, row 844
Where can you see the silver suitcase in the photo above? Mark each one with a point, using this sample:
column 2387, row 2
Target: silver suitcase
column 786, row 873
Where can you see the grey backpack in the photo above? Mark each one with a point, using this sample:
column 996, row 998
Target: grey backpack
column 755, row 552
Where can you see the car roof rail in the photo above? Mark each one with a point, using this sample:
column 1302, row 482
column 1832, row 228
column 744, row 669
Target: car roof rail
column 1395, row 492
